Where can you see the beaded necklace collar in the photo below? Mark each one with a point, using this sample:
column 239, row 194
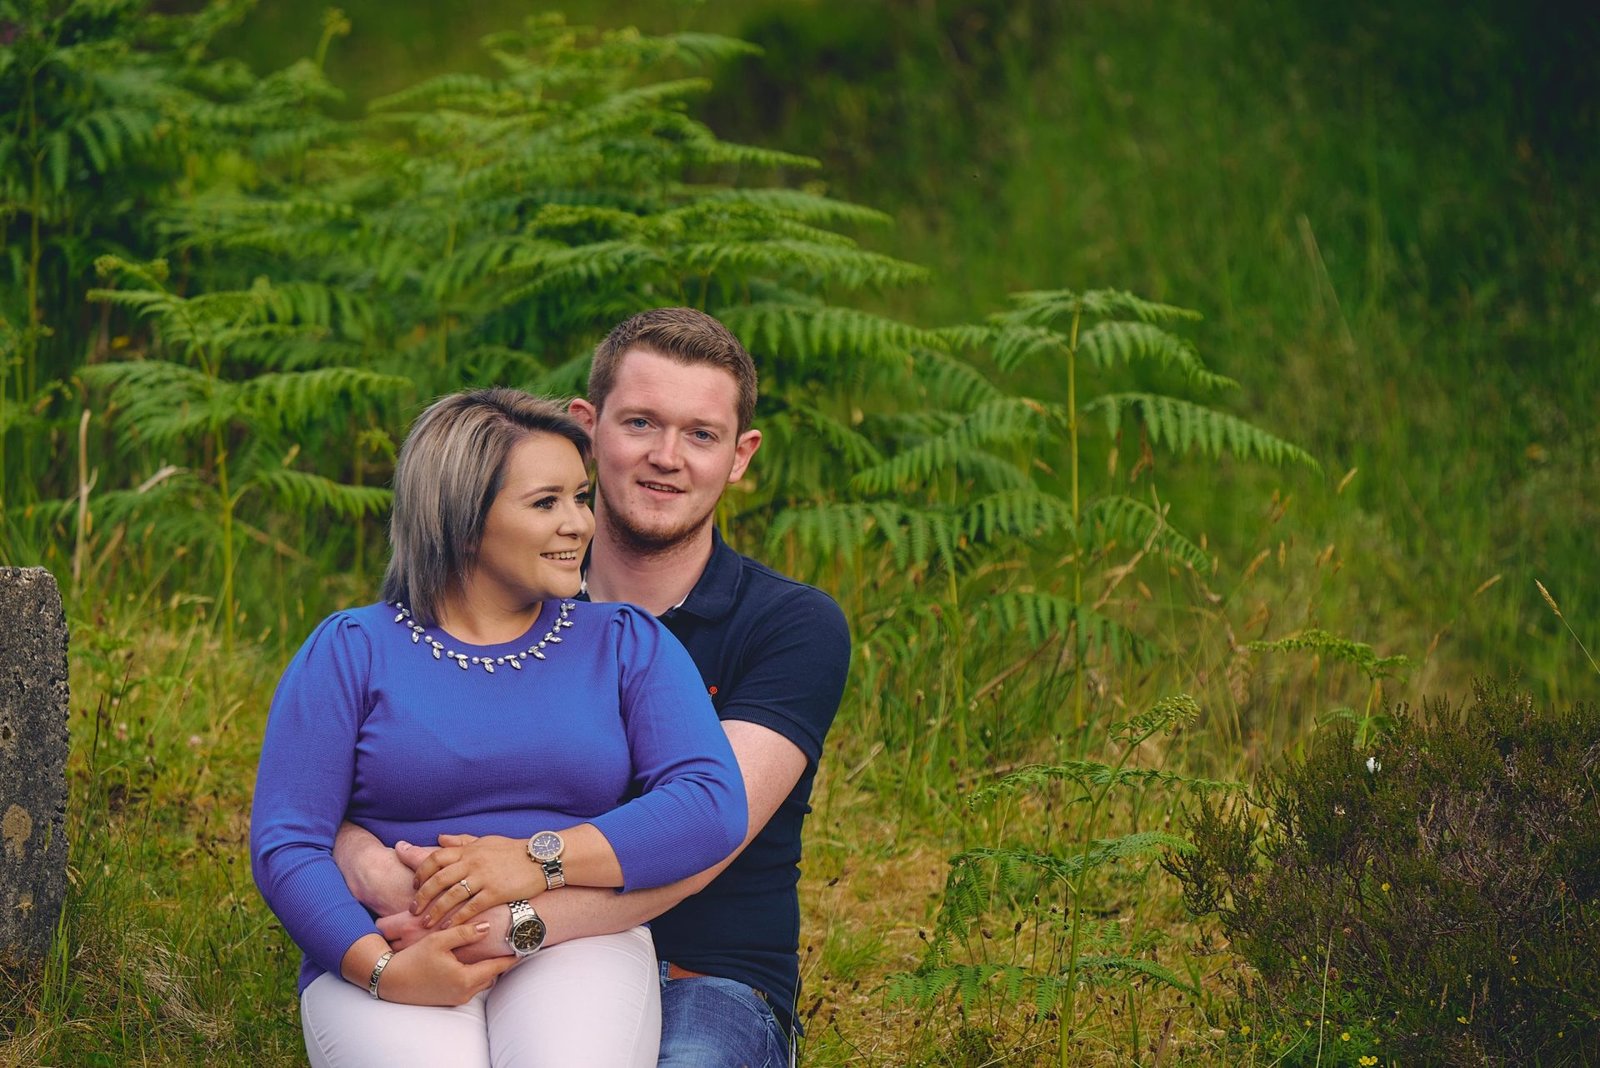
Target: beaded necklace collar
column 419, row 634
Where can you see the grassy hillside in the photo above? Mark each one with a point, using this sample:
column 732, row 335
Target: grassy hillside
column 1386, row 222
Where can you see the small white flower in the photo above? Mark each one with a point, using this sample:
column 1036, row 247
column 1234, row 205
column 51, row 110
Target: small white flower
column 1373, row 766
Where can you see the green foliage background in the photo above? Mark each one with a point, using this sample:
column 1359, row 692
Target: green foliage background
column 1383, row 217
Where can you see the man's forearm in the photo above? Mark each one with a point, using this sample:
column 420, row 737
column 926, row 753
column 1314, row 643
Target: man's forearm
column 374, row 874
column 581, row 911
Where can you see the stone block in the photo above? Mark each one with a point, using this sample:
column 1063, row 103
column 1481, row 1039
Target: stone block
column 33, row 763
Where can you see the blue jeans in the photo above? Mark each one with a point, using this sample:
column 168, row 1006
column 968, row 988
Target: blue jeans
column 707, row 1022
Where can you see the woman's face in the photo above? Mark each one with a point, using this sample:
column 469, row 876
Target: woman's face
column 538, row 526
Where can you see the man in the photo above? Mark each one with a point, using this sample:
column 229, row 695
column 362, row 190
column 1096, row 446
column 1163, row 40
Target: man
column 672, row 395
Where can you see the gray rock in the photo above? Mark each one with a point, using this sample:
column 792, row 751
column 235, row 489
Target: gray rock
column 33, row 763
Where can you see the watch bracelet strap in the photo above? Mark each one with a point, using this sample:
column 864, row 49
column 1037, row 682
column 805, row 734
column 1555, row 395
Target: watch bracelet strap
column 555, row 877
column 377, row 973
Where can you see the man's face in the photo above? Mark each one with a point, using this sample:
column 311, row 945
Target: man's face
column 666, row 444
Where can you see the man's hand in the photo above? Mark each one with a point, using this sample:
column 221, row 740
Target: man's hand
column 373, row 872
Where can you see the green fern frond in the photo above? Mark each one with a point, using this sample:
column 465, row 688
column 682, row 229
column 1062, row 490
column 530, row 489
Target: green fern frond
column 968, row 981
column 1116, row 341
column 108, row 134
column 914, row 536
column 1043, row 617
column 1043, row 307
column 562, row 267
column 165, row 403
column 1088, row 774
column 1017, row 345
column 808, row 207
column 566, row 379
column 1170, row 713
column 710, row 151
column 1318, row 641
column 967, row 337
column 707, row 49
column 443, row 90
column 1022, row 513
column 1135, row 523
column 1182, row 425
column 1104, row 970
column 848, row 267
column 808, row 334
column 1011, row 421
column 291, row 399
column 304, row 491
column 851, row 448
column 952, row 380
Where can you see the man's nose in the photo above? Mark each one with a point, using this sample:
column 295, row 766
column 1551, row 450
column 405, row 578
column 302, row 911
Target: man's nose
column 664, row 452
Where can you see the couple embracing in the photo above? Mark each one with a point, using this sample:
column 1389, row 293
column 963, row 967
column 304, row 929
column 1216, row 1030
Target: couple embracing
column 542, row 804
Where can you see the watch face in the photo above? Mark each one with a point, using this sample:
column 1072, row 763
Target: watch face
column 545, row 846
column 528, row 935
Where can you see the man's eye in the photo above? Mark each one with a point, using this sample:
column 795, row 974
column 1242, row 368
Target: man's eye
column 638, row 423
column 704, row 435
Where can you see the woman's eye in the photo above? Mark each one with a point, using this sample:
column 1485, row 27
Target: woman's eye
column 586, row 499
column 545, row 503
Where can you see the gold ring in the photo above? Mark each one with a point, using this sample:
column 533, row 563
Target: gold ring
column 464, row 886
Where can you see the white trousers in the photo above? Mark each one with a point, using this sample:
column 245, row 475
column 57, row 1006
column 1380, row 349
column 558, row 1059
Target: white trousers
column 591, row 1001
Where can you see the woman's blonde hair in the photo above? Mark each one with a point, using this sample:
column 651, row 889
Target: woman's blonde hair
column 448, row 474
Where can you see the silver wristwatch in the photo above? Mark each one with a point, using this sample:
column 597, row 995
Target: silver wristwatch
column 545, row 849
column 527, row 929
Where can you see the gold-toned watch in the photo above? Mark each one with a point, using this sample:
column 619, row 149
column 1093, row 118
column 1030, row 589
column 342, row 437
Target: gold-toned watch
column 545, row 849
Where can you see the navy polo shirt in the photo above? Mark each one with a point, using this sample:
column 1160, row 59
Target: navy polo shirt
column 775, row 652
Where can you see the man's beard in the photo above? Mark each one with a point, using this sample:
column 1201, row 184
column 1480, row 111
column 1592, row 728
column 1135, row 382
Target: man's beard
column 646, row 541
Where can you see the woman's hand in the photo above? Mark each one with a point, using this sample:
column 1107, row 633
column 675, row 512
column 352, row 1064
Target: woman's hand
column 467, row 875
column 403, row 929
column 428, row 972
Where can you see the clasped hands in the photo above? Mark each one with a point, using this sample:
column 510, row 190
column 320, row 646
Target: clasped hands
column 468, row 875
column 496, row 869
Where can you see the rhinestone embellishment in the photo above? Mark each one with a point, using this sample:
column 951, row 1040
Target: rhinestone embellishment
column 420, row 635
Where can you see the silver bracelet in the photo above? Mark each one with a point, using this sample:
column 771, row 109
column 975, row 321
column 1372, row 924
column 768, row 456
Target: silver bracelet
column 377, row 972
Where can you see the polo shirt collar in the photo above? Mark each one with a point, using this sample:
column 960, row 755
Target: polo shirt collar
column 714, row 594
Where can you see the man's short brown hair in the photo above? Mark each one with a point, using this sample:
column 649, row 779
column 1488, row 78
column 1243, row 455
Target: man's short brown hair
column 682, row 334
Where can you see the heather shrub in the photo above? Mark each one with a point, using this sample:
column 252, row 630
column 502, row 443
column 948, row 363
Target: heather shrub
column 1434, row 898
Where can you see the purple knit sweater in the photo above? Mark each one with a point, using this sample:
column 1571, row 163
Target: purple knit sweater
column 613, row 728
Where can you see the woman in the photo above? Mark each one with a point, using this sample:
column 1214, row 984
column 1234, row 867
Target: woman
column 479, row 697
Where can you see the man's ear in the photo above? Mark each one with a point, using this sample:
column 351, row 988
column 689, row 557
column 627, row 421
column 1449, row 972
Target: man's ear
column 743, row 450
column 584, row 413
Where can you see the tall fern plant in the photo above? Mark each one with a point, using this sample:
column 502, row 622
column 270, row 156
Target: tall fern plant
column 232, row 423
column 1105, row 331
column 995, row 567
column 111, row 111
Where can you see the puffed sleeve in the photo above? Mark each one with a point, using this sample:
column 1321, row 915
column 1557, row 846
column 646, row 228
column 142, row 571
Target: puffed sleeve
column 303, row 787
column 691, row 810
